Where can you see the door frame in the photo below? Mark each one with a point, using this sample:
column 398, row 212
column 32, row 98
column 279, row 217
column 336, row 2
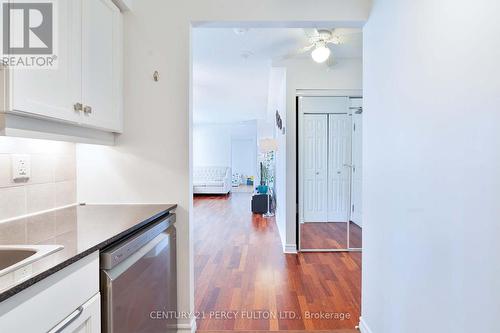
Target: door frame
column 357, row 131
column 349, row 93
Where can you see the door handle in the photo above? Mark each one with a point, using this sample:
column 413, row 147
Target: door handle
column 87, row 109
column 78, row 107
column 317, row 173
column 348, row 165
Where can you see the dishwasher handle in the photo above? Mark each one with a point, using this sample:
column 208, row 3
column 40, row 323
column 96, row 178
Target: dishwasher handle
column 116, row 254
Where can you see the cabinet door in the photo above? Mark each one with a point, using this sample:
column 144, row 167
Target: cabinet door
column 53, row 92
column 102, row 64
column 86, row 319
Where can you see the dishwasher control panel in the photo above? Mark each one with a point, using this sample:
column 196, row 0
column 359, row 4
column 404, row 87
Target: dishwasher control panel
column 118, row 253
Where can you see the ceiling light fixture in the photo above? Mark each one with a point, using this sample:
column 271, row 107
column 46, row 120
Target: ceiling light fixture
column 321, row 53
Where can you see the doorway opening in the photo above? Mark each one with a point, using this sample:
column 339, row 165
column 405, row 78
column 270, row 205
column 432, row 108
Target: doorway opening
column 244, row 86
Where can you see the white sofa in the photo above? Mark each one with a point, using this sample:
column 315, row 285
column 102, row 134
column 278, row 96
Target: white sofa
column 211, row 180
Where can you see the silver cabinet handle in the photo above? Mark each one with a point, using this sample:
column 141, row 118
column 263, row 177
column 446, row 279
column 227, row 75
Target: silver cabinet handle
column 87, row 109
column 78, row 107
column 66, row 322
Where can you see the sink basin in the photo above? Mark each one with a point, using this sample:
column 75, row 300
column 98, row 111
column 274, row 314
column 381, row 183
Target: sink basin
column 14, row 257
column 9, row 257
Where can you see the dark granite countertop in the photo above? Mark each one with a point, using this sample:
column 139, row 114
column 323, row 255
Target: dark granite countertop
column 81, row 229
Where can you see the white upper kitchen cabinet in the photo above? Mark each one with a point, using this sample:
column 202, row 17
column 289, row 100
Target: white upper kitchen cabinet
column 52, row 93
column 81, row 99
column 102, row 65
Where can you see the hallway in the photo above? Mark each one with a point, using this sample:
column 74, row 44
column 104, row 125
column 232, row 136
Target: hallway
column 243, row 281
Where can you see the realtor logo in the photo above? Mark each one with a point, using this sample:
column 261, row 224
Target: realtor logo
column 28, row 28
column 28, row 34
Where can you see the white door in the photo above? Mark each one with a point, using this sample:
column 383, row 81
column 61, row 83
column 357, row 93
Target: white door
column 102, row 47
column 54, row 92
column 357, row 159
column 339, row 161
column 315, row 167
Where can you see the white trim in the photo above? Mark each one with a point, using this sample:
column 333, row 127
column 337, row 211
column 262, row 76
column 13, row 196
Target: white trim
column 86, row 203
column 183, row 327
column 351, row 93
column 36, row 127
column 123, row 5
column 290, row 248
column 300, row 165
column 363, row 326
column 331, row 250
column 10, row 219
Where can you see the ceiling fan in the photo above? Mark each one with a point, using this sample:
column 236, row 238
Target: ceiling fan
column 320, row 41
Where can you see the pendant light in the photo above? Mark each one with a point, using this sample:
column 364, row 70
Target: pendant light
column 321, row 53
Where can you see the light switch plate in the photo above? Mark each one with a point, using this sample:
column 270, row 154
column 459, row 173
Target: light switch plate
column 21, row 167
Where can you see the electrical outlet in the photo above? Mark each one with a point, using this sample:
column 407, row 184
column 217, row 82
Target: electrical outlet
column 21, row 167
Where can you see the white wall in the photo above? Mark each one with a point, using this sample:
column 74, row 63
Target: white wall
column 277, row 102
column 244, row 157
column 213, row 145
column 152, row 160
column 431, row 167
column 347, row 74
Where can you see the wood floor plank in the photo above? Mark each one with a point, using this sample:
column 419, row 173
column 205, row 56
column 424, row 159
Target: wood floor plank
column 240, row 267
column 329, row 235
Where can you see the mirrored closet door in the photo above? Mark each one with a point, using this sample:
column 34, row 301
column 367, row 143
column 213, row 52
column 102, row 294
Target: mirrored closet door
column 326, row 174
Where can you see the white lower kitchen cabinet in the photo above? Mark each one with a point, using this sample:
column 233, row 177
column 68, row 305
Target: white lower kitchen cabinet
column 86, row 319
column 67, row 301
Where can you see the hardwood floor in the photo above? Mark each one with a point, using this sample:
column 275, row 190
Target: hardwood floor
column 329, row 235
column 244, row 282
column 355, row 236
column 323, row 235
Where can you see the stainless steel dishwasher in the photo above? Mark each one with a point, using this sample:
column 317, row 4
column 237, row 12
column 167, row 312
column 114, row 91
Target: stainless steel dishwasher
column 139, row 281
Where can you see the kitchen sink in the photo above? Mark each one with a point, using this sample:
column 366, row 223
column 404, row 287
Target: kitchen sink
column 9, row 257
column 14, row 257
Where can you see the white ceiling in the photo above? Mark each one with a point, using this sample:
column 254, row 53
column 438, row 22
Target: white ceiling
column 231, row 68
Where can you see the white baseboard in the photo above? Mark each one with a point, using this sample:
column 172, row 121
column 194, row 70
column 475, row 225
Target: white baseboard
column 187, row 327
column 290, row 248
column 363, row 326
